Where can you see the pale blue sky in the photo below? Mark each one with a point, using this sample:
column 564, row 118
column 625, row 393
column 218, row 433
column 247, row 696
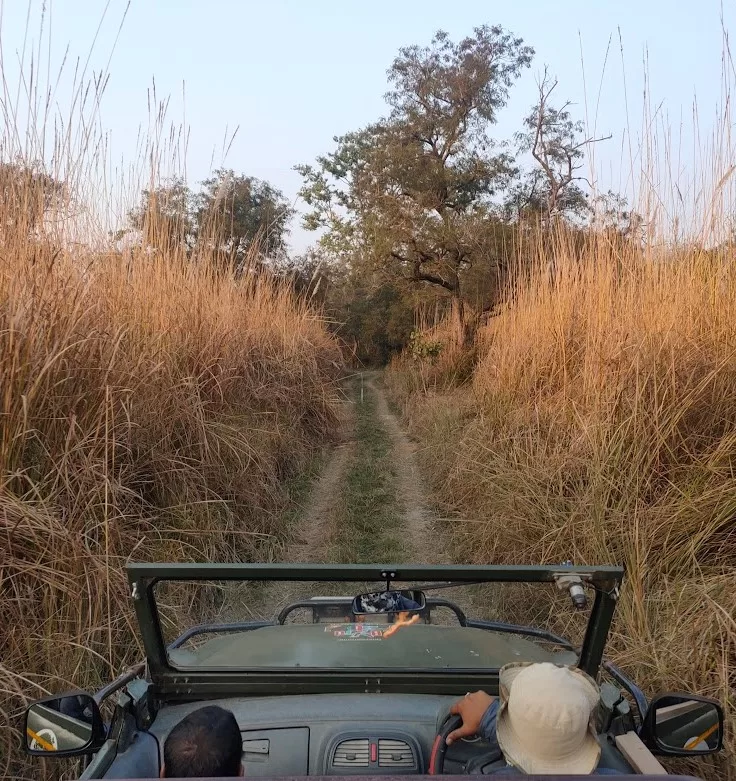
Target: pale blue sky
column 293, row 73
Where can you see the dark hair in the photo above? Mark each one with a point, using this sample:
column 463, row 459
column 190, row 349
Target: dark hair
column 204, row 744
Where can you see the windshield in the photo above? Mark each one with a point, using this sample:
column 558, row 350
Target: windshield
column 275, row 624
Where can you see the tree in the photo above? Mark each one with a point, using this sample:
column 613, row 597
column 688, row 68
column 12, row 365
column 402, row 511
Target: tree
column 241, row 213
column 230, row 215
column 164, row 218
column 556, row 143
column 410, row 191
column 28, row 195
column 613, row 217
column 375, row 319
column 309, row 276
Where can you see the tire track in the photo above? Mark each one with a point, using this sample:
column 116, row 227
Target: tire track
column 419, row 518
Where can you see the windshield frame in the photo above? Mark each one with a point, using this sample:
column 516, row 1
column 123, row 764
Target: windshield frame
column 179, row 683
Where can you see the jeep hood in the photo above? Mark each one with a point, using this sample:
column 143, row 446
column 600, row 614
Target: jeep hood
column 351, row 646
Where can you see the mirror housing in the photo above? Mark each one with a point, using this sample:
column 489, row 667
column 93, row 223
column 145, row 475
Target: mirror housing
column 389, row 604
column 683, row 725
column 63, row 725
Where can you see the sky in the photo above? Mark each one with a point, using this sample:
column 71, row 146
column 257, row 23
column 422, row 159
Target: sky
column 291, row 74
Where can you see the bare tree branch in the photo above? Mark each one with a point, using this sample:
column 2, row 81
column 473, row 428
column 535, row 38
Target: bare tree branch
column 553, row 144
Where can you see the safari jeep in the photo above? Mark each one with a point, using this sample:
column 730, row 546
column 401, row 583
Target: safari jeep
column 350, row 670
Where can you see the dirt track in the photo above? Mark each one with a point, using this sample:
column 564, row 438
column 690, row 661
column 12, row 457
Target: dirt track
column 418, row 515
column 317, row 524
column 318, row 531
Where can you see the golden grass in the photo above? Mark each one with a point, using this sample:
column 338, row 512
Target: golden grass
column 600, row 426
column 151, row 403
column 149, row 408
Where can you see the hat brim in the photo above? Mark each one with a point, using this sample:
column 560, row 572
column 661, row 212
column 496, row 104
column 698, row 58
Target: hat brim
column 583, row 762
column 509, row 672
column 507, row 675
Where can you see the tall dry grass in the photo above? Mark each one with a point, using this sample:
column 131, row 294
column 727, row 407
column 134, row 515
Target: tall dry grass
column 150, row 409
column 151, row 404
column 600, row 426
column 598, row 419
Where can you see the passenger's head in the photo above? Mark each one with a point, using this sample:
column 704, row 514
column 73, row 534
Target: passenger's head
column 206, row 743
column 546, row 718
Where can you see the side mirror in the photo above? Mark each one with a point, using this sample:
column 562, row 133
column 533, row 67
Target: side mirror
column 683, row 725
column 389, row 602
column 66, row 725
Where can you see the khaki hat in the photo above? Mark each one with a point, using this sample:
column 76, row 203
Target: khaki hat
column 546, row 718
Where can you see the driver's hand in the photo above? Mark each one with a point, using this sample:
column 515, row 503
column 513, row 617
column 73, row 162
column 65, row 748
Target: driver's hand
column 471, row 710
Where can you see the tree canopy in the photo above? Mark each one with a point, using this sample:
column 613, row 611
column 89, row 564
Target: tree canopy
column 556, row 142
column 236, row 212
column 409, row 191
column 29, row 195
column 426, row 197
column 164, row 217
column 231, row 213
column 422, row 207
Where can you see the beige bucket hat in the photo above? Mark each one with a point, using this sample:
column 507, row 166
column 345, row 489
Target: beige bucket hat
column 546, row 718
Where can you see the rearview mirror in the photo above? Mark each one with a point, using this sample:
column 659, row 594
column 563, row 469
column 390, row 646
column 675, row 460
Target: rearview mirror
column 683, row 725
column 389, row 602
column 64, row 726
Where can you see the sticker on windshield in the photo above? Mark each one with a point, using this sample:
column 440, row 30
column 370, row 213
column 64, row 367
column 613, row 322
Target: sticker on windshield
column 356, row 631
column 370, row 631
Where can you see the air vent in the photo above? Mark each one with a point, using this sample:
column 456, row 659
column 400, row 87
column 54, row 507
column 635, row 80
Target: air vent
column 352, row 753
column 395, row 753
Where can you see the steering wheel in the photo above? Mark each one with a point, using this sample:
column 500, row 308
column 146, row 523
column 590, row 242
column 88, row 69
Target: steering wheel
column 486, row 763
column 439, row 747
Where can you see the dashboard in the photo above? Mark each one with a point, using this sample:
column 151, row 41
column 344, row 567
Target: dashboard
column 340, row 734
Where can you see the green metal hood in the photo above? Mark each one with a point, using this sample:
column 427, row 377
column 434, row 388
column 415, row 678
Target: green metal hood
column 341, row 646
